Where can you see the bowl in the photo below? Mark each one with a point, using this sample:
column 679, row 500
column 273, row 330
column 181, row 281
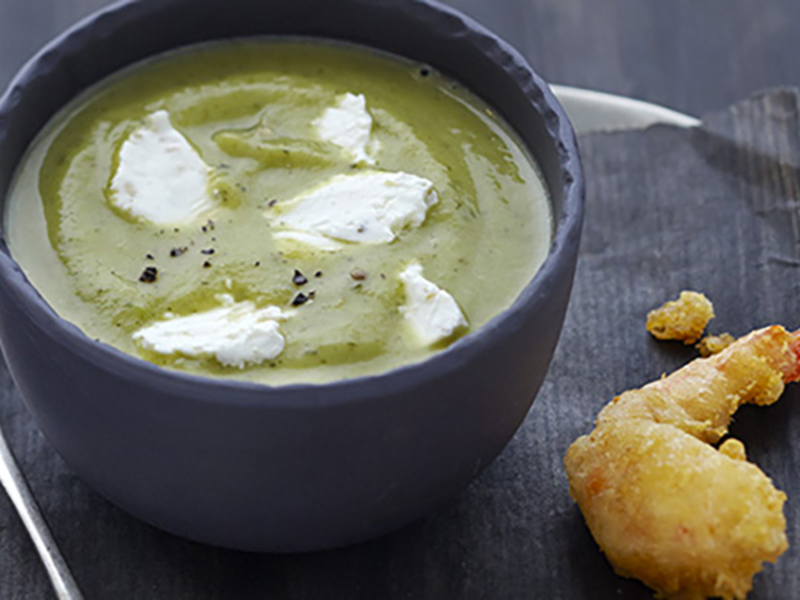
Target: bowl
column 300, row 467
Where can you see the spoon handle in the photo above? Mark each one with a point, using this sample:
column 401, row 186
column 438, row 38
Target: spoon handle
column 20, row 495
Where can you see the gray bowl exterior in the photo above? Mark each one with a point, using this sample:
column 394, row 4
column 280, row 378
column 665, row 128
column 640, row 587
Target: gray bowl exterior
column 300, row 467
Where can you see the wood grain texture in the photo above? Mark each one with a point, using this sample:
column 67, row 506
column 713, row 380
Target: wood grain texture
column 693, row 56
column 727, row 224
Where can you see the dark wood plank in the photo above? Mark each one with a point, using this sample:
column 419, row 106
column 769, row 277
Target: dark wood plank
column 692, row 56
column 27, row 25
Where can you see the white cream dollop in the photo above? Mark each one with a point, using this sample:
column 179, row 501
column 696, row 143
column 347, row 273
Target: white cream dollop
column 368, row 207
column 349, row 125
column 236, row 334
column 432, row 314
column 161, row 177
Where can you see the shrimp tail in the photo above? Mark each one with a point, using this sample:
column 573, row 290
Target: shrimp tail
column 702, row 397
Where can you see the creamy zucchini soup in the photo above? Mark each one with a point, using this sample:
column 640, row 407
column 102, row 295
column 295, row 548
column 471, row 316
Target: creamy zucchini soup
column 278, row 211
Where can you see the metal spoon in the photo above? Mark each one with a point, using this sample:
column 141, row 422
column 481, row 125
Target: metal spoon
column 17, row 489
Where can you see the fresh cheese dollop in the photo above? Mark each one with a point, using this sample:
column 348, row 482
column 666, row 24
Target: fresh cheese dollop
column 368, row 207
column 236, row 334
column 431, row 312
column 161, row 177
column 349, row 125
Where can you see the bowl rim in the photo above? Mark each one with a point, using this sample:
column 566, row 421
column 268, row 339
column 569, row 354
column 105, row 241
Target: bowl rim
column 300, row 395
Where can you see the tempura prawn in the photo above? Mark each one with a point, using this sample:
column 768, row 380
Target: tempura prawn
column 664, row 505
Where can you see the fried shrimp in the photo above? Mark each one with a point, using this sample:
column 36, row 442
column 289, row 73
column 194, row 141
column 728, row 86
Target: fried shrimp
column 683, row 319
column 664, row 505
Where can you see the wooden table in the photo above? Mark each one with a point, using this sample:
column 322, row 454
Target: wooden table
column 690, row 55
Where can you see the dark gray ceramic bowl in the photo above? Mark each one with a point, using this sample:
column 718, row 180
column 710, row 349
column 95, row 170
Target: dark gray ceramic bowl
column 300, row 467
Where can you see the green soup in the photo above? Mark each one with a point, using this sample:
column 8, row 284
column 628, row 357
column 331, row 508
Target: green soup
column 247, row 108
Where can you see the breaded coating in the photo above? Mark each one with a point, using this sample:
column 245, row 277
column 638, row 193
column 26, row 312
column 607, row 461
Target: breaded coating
column 683, row 319
column 665, row 506
column 714, row 344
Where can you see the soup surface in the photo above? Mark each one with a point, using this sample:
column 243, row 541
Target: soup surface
column 278, row 211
